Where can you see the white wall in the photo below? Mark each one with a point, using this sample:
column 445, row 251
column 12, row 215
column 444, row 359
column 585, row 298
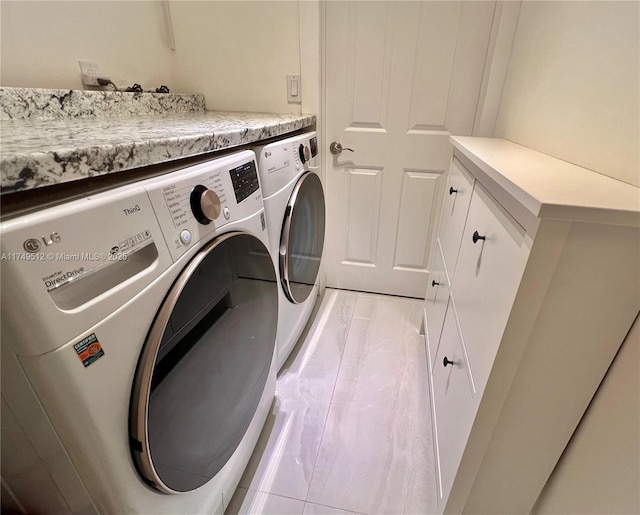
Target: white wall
column 599, row 470
column 237, row 53
column 573, row 84
column 42, row 41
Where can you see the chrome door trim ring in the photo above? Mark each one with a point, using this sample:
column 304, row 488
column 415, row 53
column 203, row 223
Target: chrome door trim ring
column 286, row 236
column 138, row 425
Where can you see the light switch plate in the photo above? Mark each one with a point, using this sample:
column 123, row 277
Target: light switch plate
column 294, row 89
column 89, row 67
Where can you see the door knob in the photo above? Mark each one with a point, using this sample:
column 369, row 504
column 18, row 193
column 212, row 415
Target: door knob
column 336, row 148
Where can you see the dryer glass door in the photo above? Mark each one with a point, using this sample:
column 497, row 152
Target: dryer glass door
column 302, row 238
column 205, row 364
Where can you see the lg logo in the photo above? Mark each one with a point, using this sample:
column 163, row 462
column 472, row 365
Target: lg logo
column 33, row 245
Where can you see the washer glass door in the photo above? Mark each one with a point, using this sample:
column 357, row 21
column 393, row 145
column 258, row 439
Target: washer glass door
column 302, row 238
column 205, row 364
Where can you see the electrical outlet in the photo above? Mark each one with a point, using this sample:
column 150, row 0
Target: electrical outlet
column 95, row 80
column 294, row 90
column 89, row 67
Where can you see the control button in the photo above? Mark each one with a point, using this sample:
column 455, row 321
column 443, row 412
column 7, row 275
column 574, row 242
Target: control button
column 146, row 234
column 226, row 213
column 307, row 154
column 139, row 238
column 185, row 237
column 301, row 153
column 132, row 242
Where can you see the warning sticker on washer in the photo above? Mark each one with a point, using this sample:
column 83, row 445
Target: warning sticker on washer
column 89, row 349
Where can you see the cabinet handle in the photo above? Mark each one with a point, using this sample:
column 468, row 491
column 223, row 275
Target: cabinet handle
column 446, row 361
column 477, row 237
column 433, row 284
column 452, row 191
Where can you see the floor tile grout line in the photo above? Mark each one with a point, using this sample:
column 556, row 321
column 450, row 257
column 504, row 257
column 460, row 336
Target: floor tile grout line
column 326, row 419
column 275, row 495
column 335, row 508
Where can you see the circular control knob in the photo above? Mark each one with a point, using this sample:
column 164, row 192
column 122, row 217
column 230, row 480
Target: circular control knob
column 304, row 153
column 205, row 204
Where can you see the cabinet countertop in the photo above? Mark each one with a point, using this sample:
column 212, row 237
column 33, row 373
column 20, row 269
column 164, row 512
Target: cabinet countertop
column 36, row 153
column 551, row 188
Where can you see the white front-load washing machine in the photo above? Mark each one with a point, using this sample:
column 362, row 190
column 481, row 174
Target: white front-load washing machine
column 294, row 205
column 139, row 343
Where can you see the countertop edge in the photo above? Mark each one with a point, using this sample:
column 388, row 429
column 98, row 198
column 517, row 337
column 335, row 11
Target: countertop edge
column 612, row 206
column 21, row 171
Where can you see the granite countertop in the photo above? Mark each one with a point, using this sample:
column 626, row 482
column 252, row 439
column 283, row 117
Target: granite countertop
column 51, row 136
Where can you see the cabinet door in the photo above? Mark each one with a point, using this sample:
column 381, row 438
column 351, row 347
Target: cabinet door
column 436, row 302
column 454, row 405
column 455, row 206
column 487, row 278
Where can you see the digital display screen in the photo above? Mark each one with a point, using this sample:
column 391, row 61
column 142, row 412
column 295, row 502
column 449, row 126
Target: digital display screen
column 245, row 180
column 313, row 143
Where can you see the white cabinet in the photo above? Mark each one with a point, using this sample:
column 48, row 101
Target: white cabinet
column 453, row 403
column 520, row 305
column 436, row 302
column 487, row 278
column 454, row 213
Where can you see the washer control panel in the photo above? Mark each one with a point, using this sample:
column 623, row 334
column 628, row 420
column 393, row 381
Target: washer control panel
column 192, row 203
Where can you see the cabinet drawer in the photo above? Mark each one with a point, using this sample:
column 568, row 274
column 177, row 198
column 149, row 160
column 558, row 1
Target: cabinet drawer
column 487, row 279
column 436, row 302
column 455, row 206
column 454, row 408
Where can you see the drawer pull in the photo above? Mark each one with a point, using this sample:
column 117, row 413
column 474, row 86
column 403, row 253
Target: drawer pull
column 434, row 284
column 477, row 237
column 446, row 361
column 452, row 190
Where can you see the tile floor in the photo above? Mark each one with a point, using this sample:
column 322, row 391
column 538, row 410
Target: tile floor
column 350, row 428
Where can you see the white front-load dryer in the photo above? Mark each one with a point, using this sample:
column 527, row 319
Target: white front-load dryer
column 138, row 335
column 294, row 205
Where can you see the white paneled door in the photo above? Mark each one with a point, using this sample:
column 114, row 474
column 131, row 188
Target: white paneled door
column 400, row 77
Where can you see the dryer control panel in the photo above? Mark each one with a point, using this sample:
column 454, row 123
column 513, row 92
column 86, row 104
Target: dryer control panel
column 192, row 203
column 283, row 161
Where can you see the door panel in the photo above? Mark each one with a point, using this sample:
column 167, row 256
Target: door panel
column 389, row 69
column 364, row 206
column 369, row 50
column 436, row 45
column 415, row 215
